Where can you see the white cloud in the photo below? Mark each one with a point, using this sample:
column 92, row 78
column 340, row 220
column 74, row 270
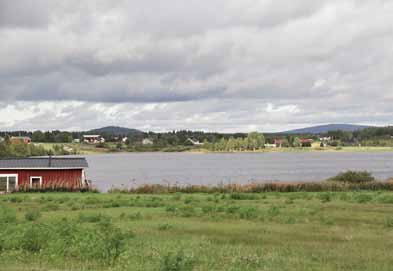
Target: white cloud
column 198, row 65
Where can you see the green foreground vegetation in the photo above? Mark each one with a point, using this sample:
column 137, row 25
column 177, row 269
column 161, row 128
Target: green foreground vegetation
column 197, row 231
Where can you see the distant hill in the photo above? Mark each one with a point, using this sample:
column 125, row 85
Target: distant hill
column 320, row 129
column 115, row 131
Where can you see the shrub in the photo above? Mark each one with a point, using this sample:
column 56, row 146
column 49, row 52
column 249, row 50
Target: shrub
column 232, row 209
column 171, row 209
column 51, row 207
column 273, row 211
column 177, row 197
column 389, row 222
column 34, row 238
column 248, row 213
column 177, row 262
column 386, row 199
column 243, row 196
column 344, row 197
column 32, row 215
column 93, row 218
column 113, row 241
column 324, row 197
column 15, row 199
column 188, row 200
column 207, row 209
column 7, row 215
column 363, row 198
column 327, row 220
column 187, row 211
column 164, row 227
column 353, row 177
column 135, row 216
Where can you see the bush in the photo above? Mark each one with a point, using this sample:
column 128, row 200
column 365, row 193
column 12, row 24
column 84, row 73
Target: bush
column 243, row 196
column 248, row 213
column 177, row 262
column 353, row 177
column 93, row 218
column 171, row 209
column 385, row 199
column 34, row 238
column 32, row 215
column 135, row 216
column 164, row 227
column 389, row 222
column 273, row 211
column 7, row 215
column 324, row 197
column 363, row 198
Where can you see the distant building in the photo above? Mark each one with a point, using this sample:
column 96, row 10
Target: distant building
column 278, row 143
column 124, row 139
column 20, row 139
column 326, row 138
column 194, row 142
column 147, row 141
column 270, row 146
column 40, row 173
column 306, row 142
column 93, row 139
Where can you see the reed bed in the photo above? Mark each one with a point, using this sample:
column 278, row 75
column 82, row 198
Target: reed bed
column 325, row 186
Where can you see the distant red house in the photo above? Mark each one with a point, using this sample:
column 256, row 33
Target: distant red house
column 306, row 142
column 42, row 173
column 20, row 139
column 278, row 143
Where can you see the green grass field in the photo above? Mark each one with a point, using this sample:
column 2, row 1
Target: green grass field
column 269, row 231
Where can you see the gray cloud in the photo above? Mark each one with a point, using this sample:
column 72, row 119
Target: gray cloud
column 24, row 13
column 219, row 65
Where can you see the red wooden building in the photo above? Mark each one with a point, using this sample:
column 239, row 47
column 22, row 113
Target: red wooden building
column 42, row 173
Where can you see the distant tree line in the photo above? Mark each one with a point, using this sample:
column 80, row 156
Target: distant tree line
column 21, row 150
column 253, row 141
column 374, row 136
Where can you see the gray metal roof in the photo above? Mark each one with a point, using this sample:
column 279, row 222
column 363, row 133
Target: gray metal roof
column 43, row 162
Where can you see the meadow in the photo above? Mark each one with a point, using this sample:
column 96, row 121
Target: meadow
column 197, row 231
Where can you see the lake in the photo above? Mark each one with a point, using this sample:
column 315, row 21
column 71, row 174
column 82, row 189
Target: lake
column 131, row 169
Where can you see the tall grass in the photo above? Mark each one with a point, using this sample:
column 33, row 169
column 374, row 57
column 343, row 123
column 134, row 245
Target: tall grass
column 234, row 189
column 101, row 242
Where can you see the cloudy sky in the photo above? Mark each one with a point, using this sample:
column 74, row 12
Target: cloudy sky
column 215, row 65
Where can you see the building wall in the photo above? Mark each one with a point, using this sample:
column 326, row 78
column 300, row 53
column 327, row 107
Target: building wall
column 70, row 178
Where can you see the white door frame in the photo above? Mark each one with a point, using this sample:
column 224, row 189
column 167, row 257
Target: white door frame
column 8, row 182
column 35, row 177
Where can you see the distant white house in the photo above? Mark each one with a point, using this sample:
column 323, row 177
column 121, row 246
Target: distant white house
column 76, row 140
column 147, row 141
column 93, row 139
column 327, row 138
column 194, row 142
column 124, row 139
column 267, row 145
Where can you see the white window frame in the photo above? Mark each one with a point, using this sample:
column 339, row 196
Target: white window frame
column 8, row 181
column 35, row 177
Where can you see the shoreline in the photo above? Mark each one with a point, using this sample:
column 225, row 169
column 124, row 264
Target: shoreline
column 277, row 150
column 93, row 150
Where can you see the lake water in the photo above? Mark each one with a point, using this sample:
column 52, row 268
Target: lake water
column 131, row 169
